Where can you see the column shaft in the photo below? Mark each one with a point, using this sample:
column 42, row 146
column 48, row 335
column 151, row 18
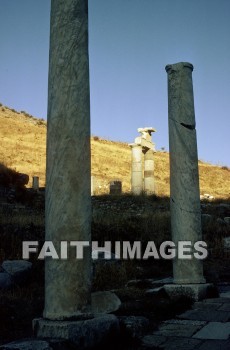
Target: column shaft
column 35, row 184
column 149, row 182
column 184, row 178
column 137, row 176
column 68, row 202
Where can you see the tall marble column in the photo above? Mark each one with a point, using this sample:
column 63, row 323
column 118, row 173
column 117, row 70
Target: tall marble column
column 184, row 178
column 68, row 202
column 136, row 176
column 149, row 181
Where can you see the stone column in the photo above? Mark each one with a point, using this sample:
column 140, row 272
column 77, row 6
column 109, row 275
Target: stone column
column 35, row 184
column 149, row 182
column 68, row 200
column 184, row 178
column 92, row 185
column 136, row 176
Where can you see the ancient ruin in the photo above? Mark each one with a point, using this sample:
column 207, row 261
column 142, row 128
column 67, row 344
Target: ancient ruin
column 35, row 183
column 67, row 311
column 143, row 145
column 184, row 179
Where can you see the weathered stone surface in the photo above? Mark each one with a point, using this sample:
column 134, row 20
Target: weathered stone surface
column 194, row 292
column 136, row 177
column 184, row 179
column 104, row 302
column 216, row 300
column 83, row 334
column 35, row 183
column 115, row 187
column 207, row 315
column 214, row 330
column 186, row 322
column 6, row 281
column 224, row 307
column 68, row 195
column 155, row 291
column 34, row 344
column 179, row 343
column 149, row 282
column 206, row 306
column 149, row 181
column 225, row 295
column 19, row 270
column 152, row 341
column 29, row 344
column 177, row 329
column 133, row 326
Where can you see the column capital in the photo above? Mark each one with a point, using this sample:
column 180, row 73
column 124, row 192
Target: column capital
column 178, row 66
column 132, row 145
column 146, row 130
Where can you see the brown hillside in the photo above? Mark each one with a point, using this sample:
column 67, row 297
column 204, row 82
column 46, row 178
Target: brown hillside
column 23, row 148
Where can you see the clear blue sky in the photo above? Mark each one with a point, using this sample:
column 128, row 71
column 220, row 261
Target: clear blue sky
column 130, row 42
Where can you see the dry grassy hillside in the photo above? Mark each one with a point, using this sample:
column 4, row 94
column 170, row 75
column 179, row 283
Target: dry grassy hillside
column 23, row 148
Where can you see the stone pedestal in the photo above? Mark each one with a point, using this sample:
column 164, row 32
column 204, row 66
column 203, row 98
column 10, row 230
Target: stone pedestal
column 115, row 187
column 149, row 182
column 84, row 334
column 35, row 184
column 68, row 200
column 136, row 177
column 184, row 179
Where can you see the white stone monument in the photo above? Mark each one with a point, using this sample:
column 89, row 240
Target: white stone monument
column 142, row 180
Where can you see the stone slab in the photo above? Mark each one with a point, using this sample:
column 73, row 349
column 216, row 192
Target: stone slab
column 152, row 341
column 225, row 307
column 206, row 315
column 214, row 330
column 180, row 343
column 82, row 334
column 225, row 295
column 206, row 306
column 177, row 330
column 216, row 300
column 104, row 302
column 27, row 345
column 195, row 292
column 186, row 322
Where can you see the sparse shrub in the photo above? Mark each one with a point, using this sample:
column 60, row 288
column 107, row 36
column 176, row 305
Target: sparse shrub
column 111, row 275
column 96, row 138
column 8, row 176
column 0, row 104
column 41, row 122
column 225, row 168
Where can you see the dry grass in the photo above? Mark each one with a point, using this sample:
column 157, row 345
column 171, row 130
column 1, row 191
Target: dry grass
column 23, row 148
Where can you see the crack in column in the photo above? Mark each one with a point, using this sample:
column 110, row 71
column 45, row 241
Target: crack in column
column 187, row 126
